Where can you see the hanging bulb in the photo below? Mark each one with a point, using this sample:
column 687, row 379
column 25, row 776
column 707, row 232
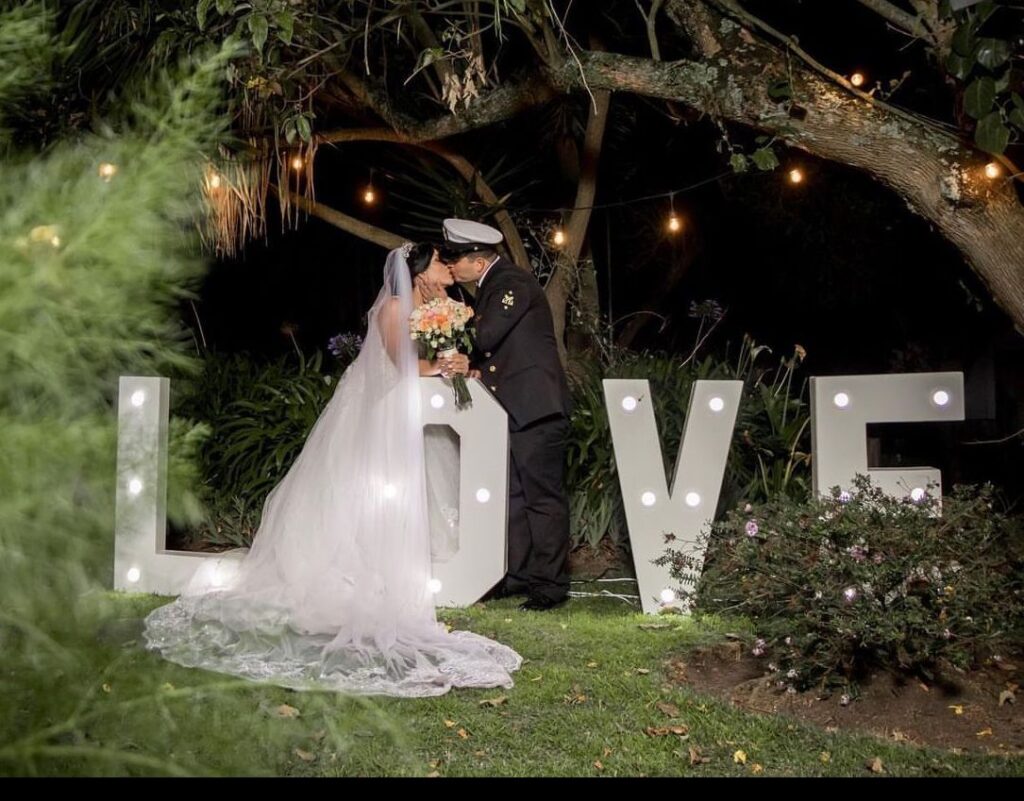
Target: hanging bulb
column 796, row 175
column 993, row 170
column 675, row 225
column 369, row 196
column 559, row 237
column 858, row 79
column 297, row 163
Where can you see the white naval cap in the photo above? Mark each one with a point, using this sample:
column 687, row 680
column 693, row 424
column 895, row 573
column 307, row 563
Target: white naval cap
column 467, row 232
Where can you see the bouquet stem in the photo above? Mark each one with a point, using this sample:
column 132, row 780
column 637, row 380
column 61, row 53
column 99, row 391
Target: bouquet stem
column 462, row 397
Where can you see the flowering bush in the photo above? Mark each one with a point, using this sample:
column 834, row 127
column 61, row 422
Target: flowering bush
column 842, row 585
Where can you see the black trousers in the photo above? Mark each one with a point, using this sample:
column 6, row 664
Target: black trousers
column 538, row 510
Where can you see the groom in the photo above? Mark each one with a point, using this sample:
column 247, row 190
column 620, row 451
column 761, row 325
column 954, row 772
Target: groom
column 518, row 360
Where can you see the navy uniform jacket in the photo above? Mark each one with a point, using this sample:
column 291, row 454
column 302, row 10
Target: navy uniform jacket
column 515, row 346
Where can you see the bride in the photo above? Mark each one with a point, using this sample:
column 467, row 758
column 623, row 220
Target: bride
column 334, row 592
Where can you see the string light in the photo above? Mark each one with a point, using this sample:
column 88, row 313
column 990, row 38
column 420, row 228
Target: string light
column 674, row 224
column 796, row 176
column 993, row 170
column 858, row 79
column 369, row 195
column 559, row 237
column 297, row 163
column 107, row 171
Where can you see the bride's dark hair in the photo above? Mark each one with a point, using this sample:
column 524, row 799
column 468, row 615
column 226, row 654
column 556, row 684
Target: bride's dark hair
column 419, row 258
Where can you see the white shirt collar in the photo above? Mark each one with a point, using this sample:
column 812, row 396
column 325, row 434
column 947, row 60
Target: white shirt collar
column 480, row 280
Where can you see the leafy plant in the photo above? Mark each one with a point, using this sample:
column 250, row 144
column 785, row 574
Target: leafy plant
column 843, row 585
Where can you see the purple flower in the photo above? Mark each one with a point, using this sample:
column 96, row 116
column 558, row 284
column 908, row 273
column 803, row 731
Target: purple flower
column 759, row 646
column 751, row 528
column 858, row 552
column 345, row 345
column 878, row 558
column 707, row 308
column 844, row 497
column 850, row 594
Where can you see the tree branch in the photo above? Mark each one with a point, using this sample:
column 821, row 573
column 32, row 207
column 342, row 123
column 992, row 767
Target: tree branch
column 483, row 190
column 903, row 20
column 351, row 225
column 503, row 103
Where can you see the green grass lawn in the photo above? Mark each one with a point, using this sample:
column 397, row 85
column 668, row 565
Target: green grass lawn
column 588, row 690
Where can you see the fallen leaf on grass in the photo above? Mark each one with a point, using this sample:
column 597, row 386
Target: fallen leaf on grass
column 669, row 709
column 740, row 757
column 696, row 758
column 591, row 664
column 598, row 765
column 433, row 775
column 1007, row 697
column 899, row 736
column 106, row 687
column 463, row 734
column 757, row 767
column 305, row 756
column 480, row 753
column 449, row 724
column 575, row 696
column 642, row 671
column 875, row 765
column 285, row 711
column 498, row 701
column 663, row 731
column 957, row 709
column 607, row 752
column 825, row 757
column 986, row 732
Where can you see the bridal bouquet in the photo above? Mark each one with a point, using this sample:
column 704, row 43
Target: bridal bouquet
column 442, row 325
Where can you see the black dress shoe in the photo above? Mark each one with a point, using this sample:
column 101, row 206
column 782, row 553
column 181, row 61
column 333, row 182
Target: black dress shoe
column 540, row 603
column 501, row 591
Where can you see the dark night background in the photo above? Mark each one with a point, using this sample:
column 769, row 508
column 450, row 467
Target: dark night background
column 838, row 264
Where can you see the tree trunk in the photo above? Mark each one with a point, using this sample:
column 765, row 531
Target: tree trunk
column 560, row 286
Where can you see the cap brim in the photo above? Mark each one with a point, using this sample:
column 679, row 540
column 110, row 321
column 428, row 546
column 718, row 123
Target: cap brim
column 452, row 251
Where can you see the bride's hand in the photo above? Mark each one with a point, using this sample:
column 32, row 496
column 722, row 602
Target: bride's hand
column 459, row 363
column 429, row 290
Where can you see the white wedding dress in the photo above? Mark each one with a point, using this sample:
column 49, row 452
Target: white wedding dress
column 334, row 593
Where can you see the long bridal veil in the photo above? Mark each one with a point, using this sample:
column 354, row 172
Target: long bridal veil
column 334, row 593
